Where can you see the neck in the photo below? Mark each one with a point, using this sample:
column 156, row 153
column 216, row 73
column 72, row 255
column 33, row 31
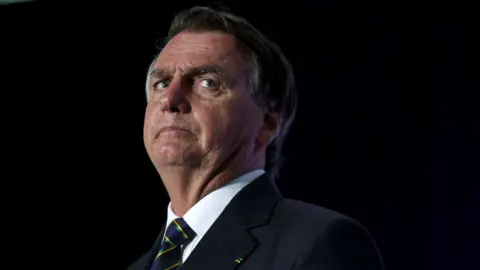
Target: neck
column 187, row 186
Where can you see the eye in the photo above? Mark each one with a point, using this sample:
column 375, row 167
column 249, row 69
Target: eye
column 160, row 85
column 208, row 83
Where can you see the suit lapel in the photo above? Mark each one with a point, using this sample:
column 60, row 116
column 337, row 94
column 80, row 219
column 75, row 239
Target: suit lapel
column 154, row 250
column 229, row 242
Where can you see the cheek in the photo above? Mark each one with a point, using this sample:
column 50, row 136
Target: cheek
column 148, row 113
column 233, row 121
column 213, row 122
column 146, row 120
column 149, row 121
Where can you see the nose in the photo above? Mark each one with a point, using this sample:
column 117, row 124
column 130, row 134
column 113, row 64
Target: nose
column 176, row 100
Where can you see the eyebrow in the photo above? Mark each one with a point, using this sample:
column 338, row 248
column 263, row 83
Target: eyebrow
column 188, row 72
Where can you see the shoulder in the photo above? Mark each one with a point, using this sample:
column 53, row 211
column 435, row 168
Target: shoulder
column 328, row 238
column 307, row 213
column 317, row 220
column 306, row 208
column 305, row 221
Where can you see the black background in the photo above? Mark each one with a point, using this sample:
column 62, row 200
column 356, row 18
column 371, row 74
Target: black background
column 387, row 129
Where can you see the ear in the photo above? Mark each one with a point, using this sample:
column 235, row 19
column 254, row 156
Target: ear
column 272, row 122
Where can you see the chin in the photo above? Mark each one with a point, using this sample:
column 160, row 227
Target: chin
column 167, row 156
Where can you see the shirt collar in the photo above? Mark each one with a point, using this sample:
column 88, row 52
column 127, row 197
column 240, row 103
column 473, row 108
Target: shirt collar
column 202, row 215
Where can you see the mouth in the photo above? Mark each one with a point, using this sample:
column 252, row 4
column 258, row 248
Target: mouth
column 172, row 129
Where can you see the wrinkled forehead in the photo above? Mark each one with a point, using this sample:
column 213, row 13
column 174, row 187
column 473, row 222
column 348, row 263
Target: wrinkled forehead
column 200, row 48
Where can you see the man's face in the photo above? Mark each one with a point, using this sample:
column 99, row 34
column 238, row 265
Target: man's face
column 200, row 111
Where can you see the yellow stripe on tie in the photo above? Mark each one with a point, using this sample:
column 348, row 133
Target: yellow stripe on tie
column 169, row 240
column 164, row 251
column 173, row 266
column 180, row 229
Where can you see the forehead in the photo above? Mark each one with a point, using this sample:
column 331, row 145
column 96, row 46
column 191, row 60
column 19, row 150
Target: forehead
column 200, row 48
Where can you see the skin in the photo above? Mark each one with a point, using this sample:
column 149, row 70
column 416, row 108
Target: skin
column 200, row 89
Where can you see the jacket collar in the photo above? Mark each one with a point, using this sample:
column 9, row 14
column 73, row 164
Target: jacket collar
column 229, row 241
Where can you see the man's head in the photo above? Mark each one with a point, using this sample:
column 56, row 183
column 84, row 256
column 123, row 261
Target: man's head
column 219, row 93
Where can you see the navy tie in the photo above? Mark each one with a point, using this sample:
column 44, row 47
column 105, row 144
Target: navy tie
column 169, row 256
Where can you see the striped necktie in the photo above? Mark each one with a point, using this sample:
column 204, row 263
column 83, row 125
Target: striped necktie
column 169, row 256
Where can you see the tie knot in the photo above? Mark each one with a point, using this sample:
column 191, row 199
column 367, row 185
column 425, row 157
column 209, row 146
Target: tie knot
column 178, row 232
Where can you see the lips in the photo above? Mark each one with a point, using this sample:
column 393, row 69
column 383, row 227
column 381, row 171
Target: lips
column 170, row 128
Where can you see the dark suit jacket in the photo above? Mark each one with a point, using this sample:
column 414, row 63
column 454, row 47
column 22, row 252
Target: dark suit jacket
column 268, row 231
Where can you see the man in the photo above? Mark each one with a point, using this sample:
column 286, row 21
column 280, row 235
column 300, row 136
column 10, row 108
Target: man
column 221, row 99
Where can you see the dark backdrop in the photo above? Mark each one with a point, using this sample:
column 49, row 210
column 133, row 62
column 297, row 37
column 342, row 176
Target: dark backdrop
column 387, row 128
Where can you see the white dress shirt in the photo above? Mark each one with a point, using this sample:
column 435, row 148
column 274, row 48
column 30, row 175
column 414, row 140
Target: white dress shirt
column 202, row 215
